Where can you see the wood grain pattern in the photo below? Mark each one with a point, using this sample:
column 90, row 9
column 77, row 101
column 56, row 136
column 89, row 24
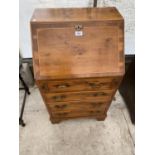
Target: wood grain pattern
column 80, row 113
column 65, row 55
column 78, row 59
column 75, row 14
column 89, row 84
column 77, row 105
column 59, row 54
column 75, row 96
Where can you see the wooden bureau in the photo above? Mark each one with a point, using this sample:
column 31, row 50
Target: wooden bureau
column 78, row 60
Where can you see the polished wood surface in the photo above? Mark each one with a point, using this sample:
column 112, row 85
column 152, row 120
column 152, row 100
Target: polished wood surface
column 80, row 113
column 75, row 14
column 77, row 105
column 62, row 54
column 74, row 96
column 59, row 54
column 78, row 59
column 89, row 84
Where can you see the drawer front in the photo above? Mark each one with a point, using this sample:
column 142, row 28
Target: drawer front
column 78, row 96
column 73, row 114
column 79, row 84
column 77, row 105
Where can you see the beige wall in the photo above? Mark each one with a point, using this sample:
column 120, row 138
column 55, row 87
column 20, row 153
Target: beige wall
column 126, row 7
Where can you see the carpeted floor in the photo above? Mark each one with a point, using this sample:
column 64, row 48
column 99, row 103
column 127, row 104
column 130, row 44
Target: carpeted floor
column 114, row 136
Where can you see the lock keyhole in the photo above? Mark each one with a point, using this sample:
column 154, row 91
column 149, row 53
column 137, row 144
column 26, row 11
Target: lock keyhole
column 78, row 27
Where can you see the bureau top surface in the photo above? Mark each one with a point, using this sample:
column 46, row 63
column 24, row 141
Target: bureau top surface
column 77, row 49
column 75, row 14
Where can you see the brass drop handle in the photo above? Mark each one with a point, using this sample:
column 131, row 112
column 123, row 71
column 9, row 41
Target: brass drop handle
column 96, row 94
column 99, row 94
column 62, row 85
column 61, row 106
column 58, row 98
column 94, row 85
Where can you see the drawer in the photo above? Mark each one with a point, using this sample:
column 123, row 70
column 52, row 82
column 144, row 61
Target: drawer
column 72, row 114
column 77, row 105
column 79, row 84
column 78, row 96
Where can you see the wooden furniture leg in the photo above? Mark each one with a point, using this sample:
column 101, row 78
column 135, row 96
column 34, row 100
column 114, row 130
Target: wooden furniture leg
column 55, row 120
column 101, row 118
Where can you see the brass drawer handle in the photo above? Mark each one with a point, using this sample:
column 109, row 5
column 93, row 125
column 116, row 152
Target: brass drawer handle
column 99, row 94
column 94, row 85
column 62, row 86
column 58, row 98
column 60, row 106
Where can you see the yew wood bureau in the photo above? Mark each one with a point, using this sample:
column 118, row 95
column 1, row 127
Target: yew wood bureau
column 78, row 60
